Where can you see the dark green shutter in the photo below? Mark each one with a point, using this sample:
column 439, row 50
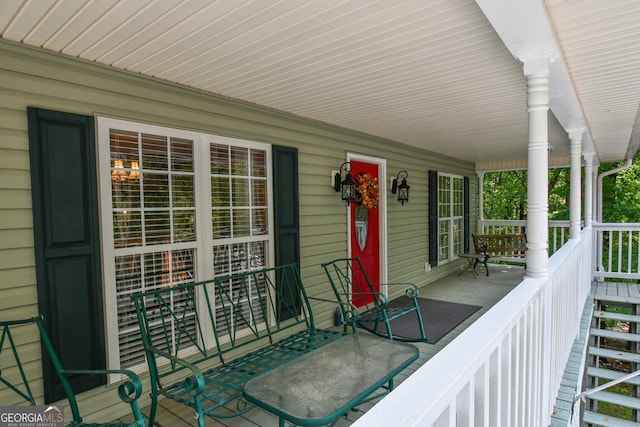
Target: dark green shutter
column 467, row 221
column 433, row 218
column 67, row 244
column 286, row 212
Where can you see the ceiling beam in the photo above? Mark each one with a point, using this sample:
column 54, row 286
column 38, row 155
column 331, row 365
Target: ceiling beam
column 525, row 30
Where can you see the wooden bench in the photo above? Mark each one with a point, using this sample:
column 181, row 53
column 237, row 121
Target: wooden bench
column 13, row 330
column 205, row 340
column 506, row 247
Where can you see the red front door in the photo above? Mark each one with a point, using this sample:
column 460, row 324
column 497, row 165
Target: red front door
column 365, row 230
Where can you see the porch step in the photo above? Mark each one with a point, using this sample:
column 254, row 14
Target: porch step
column 616, row 399
column 606, row 333
column 616, row 316
column 617, row 292
column 610, row 375
column 606, row 420
column 614, row 354
column 613, row 294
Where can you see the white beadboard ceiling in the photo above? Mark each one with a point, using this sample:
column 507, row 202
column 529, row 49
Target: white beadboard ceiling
column 438, row 74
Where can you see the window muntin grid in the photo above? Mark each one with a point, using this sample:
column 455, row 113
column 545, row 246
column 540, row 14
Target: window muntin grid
column 239, row 192
column 158, row 215
column 152, row 189
column 450, row 216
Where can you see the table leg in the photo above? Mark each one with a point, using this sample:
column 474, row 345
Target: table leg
column 470, row 266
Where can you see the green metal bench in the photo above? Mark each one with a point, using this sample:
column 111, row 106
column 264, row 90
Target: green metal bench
column 205, row 340
column 351, row 285
column 129, row 391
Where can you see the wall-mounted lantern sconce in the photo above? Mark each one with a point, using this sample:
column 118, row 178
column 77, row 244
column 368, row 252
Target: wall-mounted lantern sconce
column 346, row 186
column 402, row 189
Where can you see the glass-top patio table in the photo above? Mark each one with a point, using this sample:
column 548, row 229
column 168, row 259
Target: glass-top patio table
column 319, row 387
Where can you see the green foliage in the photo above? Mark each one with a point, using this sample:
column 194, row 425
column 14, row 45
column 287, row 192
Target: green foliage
column 559, row 190
column 621, row 193
column 505, row 194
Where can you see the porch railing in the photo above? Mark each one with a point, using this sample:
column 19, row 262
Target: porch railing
column 617, row 252
column 506, row 368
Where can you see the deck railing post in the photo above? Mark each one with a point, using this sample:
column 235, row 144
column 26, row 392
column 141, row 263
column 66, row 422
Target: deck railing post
column 588, row 189
column 480, row 226
column 575, row 135
column 536, row 70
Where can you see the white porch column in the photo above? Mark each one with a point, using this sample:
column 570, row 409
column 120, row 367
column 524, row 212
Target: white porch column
column 575, row 185
column 537, row 72
column 480, row 225
column 588, row 189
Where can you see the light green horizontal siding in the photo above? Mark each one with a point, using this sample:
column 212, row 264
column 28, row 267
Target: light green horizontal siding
column 30, row 77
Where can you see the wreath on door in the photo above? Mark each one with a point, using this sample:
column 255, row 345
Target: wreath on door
column 366, row 191
column 366, row 198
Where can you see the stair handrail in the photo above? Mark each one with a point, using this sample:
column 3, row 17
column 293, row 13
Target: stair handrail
column 583, row 396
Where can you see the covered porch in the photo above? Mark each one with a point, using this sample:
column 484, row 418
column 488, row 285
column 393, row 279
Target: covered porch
column 483, row 291
column 449, row 89
column 518, row 360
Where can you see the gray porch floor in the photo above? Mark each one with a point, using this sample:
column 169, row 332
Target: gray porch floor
column 483, row 291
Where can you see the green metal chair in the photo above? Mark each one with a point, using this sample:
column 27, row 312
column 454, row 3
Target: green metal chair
column 352, row 287
column 129, row 391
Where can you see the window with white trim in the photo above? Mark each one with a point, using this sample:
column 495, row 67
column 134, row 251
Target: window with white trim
column 182, row 206
column 450, row 216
